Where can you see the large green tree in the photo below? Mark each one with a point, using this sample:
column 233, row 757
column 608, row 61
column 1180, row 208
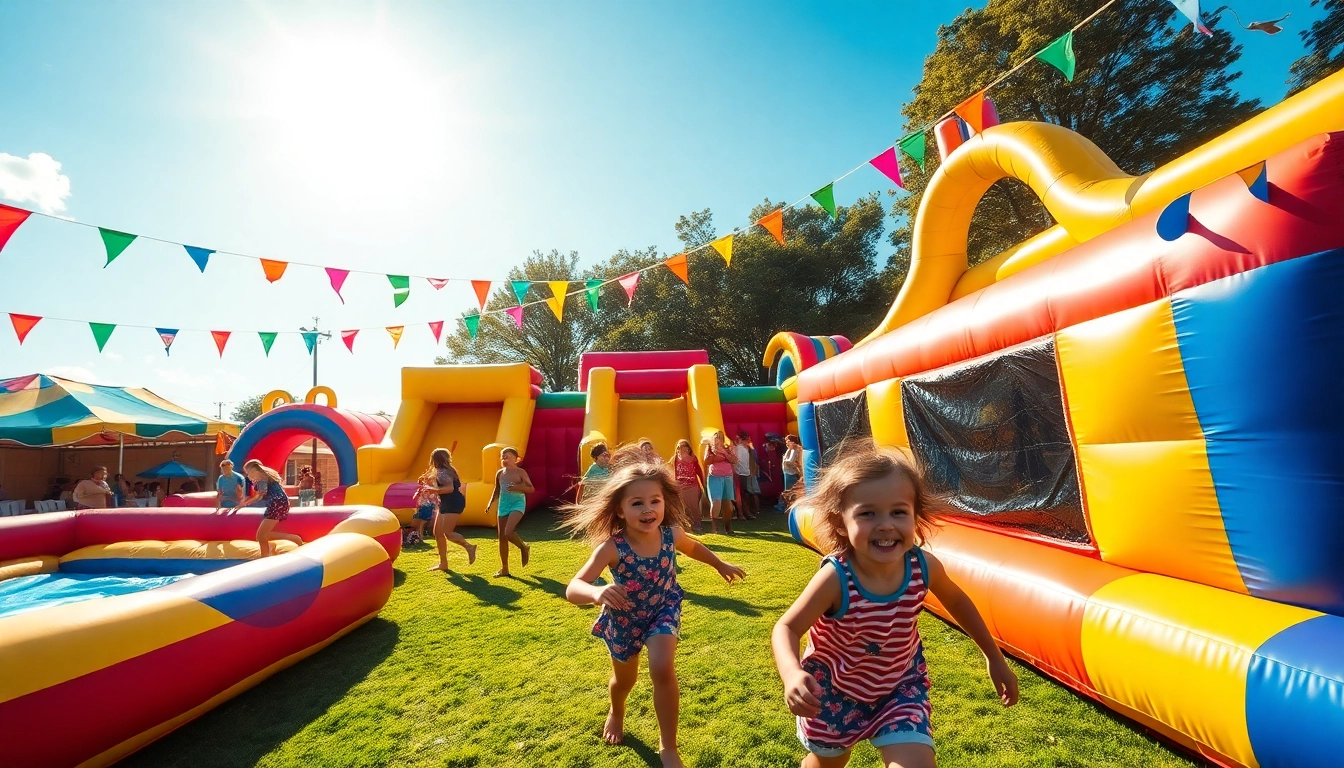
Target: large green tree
column 246, row 410
column 1147, row 89
column 1324, row 41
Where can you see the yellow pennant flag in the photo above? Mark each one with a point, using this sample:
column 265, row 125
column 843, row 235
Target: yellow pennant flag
column 724, row 245
column 557, row 301
column 395, row 332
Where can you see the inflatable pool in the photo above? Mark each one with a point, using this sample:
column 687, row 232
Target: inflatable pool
column 118, row 626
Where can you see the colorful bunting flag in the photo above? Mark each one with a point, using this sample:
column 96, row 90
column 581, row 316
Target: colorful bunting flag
column 101, row 333
column 889, row 166
column 972, row 111
column 267, row 339
column 630, row 281
column 482, row 289
column 678, row 266
column 825, row 197
column 724, row 245
column 349, row 338
column 437, row 282
column 473, row 323
column 23, row 324
column 401, row 289
column 337, row 278
column 221, row 338
column 1174, row 220
column 199, row 255
column 1257, row 180
column 557, row 301
column 1191, row 10
column 517, row 314
column 774, row 224
column 395, row 332
column 593, row 287
column 520, row 289
column 168, row 336
column 115, row 242
column 10, row 219
column 436, row 328
column 310, row 340
column 1059, row 55
column 276, row 269
column 913, row 145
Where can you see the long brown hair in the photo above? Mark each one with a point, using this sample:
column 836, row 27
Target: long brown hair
column 265, row 470
column 598, row 517
column 861, row 462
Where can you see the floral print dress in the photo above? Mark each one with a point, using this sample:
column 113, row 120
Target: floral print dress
column 651, row 584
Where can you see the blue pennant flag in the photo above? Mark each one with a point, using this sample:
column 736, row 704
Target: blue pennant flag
column 168, row 335
column 199, row 255
column 310, row 340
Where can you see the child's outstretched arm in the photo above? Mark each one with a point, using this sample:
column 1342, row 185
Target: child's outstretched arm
column 582, row 590
column 251, row 497
column 968, row 618
column 821, row 594
column 697, row 551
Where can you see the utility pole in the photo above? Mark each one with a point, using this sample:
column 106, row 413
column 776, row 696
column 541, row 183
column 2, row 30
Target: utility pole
column 219, row 410
column 318, row 336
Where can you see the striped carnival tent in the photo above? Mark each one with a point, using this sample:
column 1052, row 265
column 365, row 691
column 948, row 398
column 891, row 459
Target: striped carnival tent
column 40, row 410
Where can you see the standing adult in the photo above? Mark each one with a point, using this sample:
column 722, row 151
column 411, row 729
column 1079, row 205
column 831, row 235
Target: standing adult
column 792, row 464
column 748, row 490
column 121, row 489
column 719, row 485
column 686, row 468
column 230, row 486
column 307, row 496
column 93, row 492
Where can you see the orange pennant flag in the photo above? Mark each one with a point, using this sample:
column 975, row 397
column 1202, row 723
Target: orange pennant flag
column 972, row 111
column 557, row 301
column 482, row 288
column 395, row 332
column 678, row 266
column 274, row 269
column 724, row 245
column 774, row 224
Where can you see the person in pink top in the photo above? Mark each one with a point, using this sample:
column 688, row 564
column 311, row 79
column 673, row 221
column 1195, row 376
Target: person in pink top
column 686, row 467
column 863, row 674
column 719, row 458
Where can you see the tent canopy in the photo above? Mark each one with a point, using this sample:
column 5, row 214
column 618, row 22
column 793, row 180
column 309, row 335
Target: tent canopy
column 40, row 410
column 172, row 468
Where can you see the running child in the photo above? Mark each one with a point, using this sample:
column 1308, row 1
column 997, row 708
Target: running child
column 625, row 522
column 267, row 484
column 863, row 674
column 445, row 485
column 512, row 485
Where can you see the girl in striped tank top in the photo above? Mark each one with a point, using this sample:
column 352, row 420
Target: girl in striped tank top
column 863, row 675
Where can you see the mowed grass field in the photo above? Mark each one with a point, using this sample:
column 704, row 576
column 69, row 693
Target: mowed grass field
column 468, row 670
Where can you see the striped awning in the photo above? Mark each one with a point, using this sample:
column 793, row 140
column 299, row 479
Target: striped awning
column 40, row 410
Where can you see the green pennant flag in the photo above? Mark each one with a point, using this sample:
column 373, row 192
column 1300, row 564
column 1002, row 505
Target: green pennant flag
column 115, row 242
column 593, row 287
column 825, row 197
column 473, row 323
column 267, row 339
column 913, row 146
column 401, row 289
column 102, row 332
column 520, row 289
column 1059, row 55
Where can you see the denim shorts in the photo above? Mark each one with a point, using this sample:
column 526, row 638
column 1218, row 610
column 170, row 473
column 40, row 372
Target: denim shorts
column 720, row 487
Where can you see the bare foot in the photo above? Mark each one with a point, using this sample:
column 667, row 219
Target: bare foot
column 439, row 567
column 527, row 552
column 614, row 730
column 471, row 554
column 502, row 574
column 670, row 758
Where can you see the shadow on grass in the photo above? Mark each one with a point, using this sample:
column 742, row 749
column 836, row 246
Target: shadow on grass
column 485, row 590
column 398, row 577
column 721, row 603
column 556, row 588
column 246, row 728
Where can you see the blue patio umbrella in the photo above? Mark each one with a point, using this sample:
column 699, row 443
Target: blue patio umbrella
column 170, row 469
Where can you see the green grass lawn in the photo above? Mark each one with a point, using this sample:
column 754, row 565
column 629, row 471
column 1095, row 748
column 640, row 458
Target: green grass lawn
column 468, row 670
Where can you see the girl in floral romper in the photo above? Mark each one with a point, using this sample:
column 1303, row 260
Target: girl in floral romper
column 624, row 521
column 863, row 674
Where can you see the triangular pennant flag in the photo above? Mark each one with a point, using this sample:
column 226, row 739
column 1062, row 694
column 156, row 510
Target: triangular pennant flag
column 23, row 324
column 276, row 269
column 310, row 340
column 557, row 301
column 436, row 328
column 401, row 289
column 1174, row 220
column 913, row 145
column 395, row 332
column 337, row 278
column 972, row 111
column 774, row 224
column 825, row 197
column 630, row 281
column 520, row 289
column 1059, row 55
column 437, row 282
column 221, row 338
column 1191, row 10
column 724, row 245
column 482, row 289
column 593, row 287
column 199, row 255
column 473, row 323
column 889, row 166
column 1257, row 180
column 349, row 338
column 517, row 314
column 168, row 335
column 115, row 242
column 678, row 266
column 10, row 219
column 267, row 339
column 101, row 333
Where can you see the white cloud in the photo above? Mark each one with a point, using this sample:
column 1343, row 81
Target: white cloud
column 73, row 372
column 36, row 179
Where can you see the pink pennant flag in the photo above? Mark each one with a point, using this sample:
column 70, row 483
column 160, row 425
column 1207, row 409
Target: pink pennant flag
column 337, row 277
column 436, row 328
column 349, row 338
column 628, row 282
column 888, row 165
column 437, row 282
column 517, row 314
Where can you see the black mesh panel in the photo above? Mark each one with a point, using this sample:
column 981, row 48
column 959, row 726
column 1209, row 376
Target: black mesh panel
column 841, row 419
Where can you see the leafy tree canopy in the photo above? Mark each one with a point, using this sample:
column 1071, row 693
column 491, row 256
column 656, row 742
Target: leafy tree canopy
column 247, row 410
column 1325, row 48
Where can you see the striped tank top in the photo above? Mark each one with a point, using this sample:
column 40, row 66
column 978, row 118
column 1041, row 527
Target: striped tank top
column 869, row 643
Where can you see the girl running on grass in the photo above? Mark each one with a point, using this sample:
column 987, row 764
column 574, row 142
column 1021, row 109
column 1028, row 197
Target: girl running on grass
column 512, row 485
column 642, row 606
column 266, row 483
column 863, row 674
column 442, row 481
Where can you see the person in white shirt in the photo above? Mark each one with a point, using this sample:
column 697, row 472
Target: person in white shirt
column 93, row 492
column 748, row 490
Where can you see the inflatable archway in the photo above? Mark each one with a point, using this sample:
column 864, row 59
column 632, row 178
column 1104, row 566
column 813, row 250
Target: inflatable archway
column 797, row 352
column 274, row 435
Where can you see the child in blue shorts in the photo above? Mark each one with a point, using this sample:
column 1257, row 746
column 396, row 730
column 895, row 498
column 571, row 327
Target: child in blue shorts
column 512, row 485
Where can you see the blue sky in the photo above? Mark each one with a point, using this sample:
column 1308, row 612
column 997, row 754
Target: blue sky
column 441, row 139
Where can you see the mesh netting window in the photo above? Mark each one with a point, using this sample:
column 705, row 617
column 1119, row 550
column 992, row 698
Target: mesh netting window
column 995, row 441
column 841, row 419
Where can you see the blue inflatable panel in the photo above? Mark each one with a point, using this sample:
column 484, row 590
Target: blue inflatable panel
column 1295, row 696
column 265, row 584
column 147, row 566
